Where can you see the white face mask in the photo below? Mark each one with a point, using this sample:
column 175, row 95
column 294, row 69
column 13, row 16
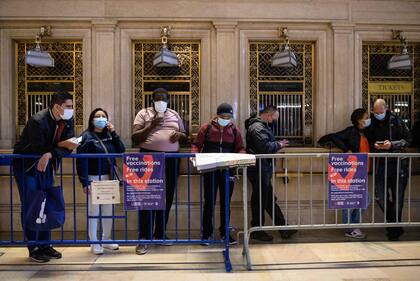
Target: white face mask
column 223, row 122
column 68, row 114
column 161, row 106
column 367, row 122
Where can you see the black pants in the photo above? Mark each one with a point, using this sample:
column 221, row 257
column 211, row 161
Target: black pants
column 153, row 223
column 390, row 191
column 266, row 197
column 25, row 182
column 214, row 181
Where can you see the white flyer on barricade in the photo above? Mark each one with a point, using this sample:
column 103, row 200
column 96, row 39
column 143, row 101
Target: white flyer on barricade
column 105, row 192
column 209, row 161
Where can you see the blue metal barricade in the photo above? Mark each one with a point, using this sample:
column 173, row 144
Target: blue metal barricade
column 122, row 232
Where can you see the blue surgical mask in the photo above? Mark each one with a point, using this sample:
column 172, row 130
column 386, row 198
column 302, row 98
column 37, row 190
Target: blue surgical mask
column 380, row 116
column 223, row 122
column 100, row 122
column 367, row 122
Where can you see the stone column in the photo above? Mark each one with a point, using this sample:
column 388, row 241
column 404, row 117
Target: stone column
column 104, row 66
column 227, row 66
column 343, row 80
column 7, row 94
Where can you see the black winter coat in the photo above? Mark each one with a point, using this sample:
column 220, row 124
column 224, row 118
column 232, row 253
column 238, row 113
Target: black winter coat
column 260, row 140
column 38, row 136
column 347, row 139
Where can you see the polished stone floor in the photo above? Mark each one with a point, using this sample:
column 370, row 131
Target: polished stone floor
column 306, row 257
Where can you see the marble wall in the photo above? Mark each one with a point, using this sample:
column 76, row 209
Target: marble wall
column 224, row 29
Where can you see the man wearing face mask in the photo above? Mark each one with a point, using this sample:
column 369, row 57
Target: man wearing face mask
column 50, row 134
column 260, row 139
column 159, row 129
column 389, row 134
column 219, row 135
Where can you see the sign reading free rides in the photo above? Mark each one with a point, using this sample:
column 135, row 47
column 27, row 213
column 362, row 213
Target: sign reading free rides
column 348, row 181
column 144, row 181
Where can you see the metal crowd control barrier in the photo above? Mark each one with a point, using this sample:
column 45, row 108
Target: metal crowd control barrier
column 385, row 169
column 69, row 234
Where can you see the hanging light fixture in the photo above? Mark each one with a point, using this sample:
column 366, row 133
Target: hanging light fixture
column 401, row 61
column 285, row 57
column 37, row 57
column 165, row 58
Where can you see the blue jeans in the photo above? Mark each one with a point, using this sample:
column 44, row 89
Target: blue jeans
column 26, row 181
column 354, row 215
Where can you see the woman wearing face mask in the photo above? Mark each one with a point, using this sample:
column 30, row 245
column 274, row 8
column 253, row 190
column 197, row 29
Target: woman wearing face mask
column 100, row 137
column 219, row 135
column 352, row 140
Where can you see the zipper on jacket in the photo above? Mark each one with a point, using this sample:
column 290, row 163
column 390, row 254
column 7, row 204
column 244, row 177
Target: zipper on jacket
column 221, row 139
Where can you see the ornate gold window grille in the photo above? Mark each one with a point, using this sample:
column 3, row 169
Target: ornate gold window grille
column 289, row 89
column 35, row 85
column 399, row 88
column 183, row 83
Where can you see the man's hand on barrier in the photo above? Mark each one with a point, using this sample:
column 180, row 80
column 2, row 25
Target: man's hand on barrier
column 43, row 162
column 283, row 143
column 86, row 189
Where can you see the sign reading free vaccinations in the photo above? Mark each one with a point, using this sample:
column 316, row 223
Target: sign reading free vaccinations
column 348, row 181
column 144, row 177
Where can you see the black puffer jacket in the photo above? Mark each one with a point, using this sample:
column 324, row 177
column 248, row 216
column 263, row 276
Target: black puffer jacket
column 416, row 135
column 260, row 140
column 392, row 128
column 38, row 138
column 347, row 139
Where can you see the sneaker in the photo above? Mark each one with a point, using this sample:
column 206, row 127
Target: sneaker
column 231, row 240
column 51, row 253
column 96, row 249
column 112, row 247
column 38, row 255
column 355, row 233
column 142, row 249
column 286, row 234
column 261, row 236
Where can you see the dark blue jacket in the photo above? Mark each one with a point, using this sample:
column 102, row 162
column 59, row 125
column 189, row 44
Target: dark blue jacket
column 90, row 144
column 260, row 139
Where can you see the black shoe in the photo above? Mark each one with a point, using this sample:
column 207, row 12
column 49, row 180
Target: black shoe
column 51, row 253
column 393, row 237
column 286, row 234
column 231, row 240
column 166, row 241
column 261, row 236
column 38, row 255
column 394, row 233
column 205, row 243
